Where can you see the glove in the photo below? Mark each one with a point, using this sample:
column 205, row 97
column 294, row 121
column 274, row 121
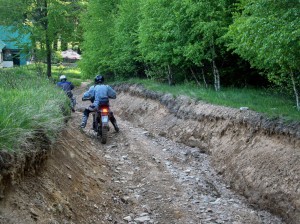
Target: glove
column 92, row 108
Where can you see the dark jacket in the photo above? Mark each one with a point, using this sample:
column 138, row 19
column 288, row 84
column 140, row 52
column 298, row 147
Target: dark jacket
column 67, row 87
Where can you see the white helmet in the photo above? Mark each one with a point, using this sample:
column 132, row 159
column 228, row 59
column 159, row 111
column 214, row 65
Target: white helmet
column 62, row 77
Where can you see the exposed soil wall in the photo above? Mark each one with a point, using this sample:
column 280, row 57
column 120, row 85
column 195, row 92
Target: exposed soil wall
column 13, row 166
column 258, row 157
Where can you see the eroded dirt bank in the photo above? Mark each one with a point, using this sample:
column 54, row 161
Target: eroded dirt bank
column 257, row 157
column 155, row 170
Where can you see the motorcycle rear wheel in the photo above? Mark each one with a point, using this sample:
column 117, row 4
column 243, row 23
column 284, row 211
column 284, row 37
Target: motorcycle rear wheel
column 104, row 135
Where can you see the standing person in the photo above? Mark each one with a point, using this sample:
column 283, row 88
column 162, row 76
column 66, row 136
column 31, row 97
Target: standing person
column 67, row 87
column 97, row 94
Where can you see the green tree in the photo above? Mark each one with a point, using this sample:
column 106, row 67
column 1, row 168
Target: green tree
column 126, row 55
column 267, row 34
column 98, row 25
column 204, row 23
column 45, row 20
column 159, row 36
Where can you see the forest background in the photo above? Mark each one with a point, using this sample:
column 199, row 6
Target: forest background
column 213, row 44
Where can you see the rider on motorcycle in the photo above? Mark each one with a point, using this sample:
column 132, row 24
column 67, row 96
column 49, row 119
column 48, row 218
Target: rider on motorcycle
column 98, row 93
column 67, row 87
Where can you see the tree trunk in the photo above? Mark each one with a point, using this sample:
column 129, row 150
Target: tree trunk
column 170, row 76
column 204, row 80
column 48, row 55
column 48, row 43
column 216, row 76
column 214, row 67
column 295, row 90
column 55, row 44
column 193, row 73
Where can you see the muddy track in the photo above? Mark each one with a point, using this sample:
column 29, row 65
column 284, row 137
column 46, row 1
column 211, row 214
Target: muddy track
column 140, row 176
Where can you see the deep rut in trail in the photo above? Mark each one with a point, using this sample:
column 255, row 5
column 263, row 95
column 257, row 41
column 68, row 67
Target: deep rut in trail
column 167, row 182
column 139, row 176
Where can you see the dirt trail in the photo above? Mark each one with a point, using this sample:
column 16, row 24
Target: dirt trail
column 139, row 176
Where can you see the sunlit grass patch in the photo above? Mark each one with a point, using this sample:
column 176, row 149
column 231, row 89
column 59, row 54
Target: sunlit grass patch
column 260, row 100
column 72, row 73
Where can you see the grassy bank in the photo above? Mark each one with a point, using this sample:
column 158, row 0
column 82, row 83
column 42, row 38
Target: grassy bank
column 29, row 104
column 269, row 103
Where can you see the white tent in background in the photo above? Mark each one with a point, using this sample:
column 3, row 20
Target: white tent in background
column 70, row 55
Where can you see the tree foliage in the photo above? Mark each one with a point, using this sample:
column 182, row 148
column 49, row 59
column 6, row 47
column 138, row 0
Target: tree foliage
column 267, row 34
column 125, row 51
column 46, row 20
column 159, row 37
column 205, row 24
column 98, row 25
column 164, row 38
column 173, row 41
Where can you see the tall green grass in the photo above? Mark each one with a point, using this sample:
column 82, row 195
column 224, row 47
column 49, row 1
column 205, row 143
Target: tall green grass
column 28, row 105
column 267, row 102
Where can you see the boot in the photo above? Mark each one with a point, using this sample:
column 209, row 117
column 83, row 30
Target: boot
column 113, row 121
column 94, row 123
column 84, row 121
column 117, row 129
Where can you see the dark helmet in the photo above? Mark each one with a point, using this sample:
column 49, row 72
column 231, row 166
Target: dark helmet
column 99, row 79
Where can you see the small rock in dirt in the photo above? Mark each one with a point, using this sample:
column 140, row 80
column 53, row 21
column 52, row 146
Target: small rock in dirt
column 59, row 208
column 142, row 219
column 125, row 199
column 187, row 171
column 158, row 197
column 216, row 201
column 146, row 208
column 127, row 218
column 108, row 217
column 33, row 212
column 209, row 210
column 107, row 157
column 68, row 167
column 69, row 176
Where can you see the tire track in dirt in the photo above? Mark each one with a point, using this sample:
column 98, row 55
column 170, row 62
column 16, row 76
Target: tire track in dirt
column 167, row 182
